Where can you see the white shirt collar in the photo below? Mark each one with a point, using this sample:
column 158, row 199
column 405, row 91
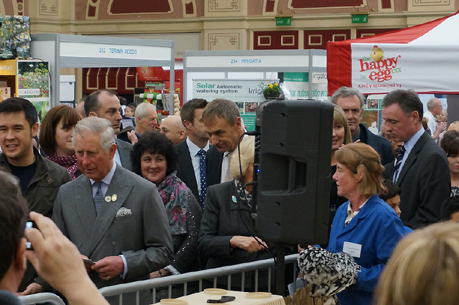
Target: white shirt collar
column 108, row 178
column 193, row 148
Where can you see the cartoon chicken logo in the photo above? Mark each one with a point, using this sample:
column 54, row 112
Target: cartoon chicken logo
column 377, row 54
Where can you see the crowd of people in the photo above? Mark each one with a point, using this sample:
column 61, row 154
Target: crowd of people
column 164, row 199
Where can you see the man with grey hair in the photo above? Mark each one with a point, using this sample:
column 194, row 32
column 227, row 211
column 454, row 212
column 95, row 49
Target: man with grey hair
column 434, row 108
column 421, row 169
column 115, row 218
column 223, row 124
column 146, row 118
column 351, row 101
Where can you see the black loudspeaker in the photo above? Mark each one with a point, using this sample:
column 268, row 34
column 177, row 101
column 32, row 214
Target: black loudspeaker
column 293, row 194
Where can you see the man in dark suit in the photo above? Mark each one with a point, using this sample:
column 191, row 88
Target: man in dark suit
column 421, row 169
column 351, row 101
column 224, row 126
column 105, row 104
column 114, row 217
column 188, row 169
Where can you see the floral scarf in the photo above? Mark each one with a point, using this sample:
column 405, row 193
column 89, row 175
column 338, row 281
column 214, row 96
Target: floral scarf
column 70, row 163
column 175, row 196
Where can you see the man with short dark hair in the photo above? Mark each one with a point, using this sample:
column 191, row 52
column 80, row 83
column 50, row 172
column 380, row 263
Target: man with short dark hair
column 351, row 101
column 39, row 177
column 195, row 150
column 115, row 217
column 223, row 124
column 421, row 169
column 105, row 104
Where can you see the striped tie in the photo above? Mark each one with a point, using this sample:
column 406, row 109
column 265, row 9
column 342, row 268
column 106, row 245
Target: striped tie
column 398, row 162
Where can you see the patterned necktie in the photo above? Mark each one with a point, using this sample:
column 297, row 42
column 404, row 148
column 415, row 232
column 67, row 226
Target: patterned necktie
column 398, row 161
column 202, row 174
column 98, row 197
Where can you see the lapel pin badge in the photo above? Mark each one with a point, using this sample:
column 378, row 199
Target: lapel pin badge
column 114, row 197
column 108, row 199
column 233, row 198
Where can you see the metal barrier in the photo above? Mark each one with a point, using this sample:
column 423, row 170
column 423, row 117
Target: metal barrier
column 181, row 279
column 48, row 298
column 198, row 276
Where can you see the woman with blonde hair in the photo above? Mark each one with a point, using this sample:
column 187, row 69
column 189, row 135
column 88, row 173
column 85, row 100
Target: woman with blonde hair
column 364, row 227
column 424, row 268
column 228, row 234
column 341, row 136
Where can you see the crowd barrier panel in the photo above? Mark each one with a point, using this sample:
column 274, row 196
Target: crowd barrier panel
column 199, row 276
column 181, row 279
column 49, row 298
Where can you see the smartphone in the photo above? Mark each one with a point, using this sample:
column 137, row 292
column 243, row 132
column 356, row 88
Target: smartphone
column 30, row 224
column 87, row 261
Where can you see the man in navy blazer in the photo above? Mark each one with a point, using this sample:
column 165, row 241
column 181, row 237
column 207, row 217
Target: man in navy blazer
column 188, row 160
column 422, row 170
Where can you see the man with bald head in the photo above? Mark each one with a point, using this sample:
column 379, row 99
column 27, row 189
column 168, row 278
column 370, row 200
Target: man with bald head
column 173, row 128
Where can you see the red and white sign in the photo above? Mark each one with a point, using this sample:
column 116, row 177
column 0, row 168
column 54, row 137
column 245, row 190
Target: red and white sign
column 423, row 58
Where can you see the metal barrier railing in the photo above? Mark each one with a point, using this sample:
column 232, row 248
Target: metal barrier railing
column 49, row 298
column 181, row 279
column 198, row 276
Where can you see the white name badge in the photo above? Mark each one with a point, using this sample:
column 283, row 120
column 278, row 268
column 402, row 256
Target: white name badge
column 352, row 249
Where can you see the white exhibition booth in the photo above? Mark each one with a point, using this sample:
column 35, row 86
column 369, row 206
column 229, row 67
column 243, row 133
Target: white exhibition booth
column 241, row 76
column 251, row 65
column 72, row 51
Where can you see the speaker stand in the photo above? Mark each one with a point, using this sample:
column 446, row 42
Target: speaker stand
column 280, row 269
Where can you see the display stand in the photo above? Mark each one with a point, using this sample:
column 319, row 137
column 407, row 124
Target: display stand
column 71, row 51
column 243, row 64
column 27, row 79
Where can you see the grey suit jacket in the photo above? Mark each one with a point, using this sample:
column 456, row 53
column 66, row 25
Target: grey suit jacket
column 425, row 183
column 124, row 149
column 142, row 235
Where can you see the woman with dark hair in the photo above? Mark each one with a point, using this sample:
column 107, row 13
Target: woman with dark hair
column 56, row 133
column 450, row 144
column 154, row 158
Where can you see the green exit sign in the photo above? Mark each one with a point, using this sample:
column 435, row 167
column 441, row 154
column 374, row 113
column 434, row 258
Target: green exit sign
column 363, row 18
column 281, row 21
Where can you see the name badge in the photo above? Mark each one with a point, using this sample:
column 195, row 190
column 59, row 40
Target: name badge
column 352, row 249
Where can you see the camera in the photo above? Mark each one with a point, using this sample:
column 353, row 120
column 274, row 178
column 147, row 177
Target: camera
column 30, row 224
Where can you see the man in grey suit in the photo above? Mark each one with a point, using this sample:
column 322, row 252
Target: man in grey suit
column 105, row 104
column 421, row 169
column 114, row 217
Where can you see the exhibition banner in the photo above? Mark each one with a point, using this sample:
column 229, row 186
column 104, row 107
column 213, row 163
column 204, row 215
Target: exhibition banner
column 246, row 93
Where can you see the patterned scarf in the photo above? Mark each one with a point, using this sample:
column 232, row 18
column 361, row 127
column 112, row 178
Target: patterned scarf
column 70, row 163
column 175, row 197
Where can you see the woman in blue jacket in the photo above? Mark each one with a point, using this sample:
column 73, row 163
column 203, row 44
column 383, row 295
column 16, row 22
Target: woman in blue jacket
column 365, row 226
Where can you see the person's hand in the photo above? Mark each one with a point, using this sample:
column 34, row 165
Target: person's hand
column 86, row 265
column 132, row 137
column 441, row 126
column 247, row 243
column 57, row 261
column 155, row 274
column 32, row 289
column 109, row 267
